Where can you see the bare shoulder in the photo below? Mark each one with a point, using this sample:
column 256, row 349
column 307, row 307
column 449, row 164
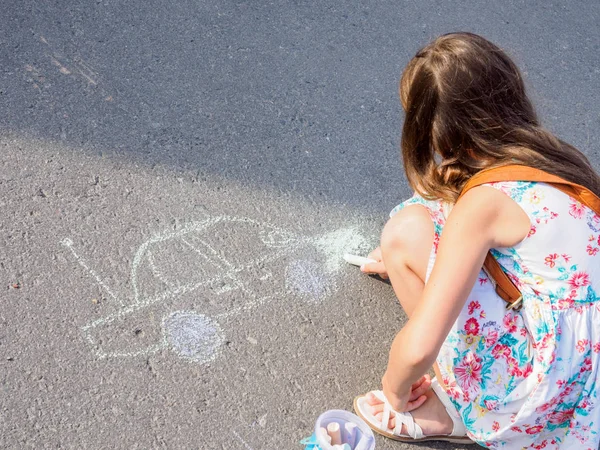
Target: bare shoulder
column 486, row 209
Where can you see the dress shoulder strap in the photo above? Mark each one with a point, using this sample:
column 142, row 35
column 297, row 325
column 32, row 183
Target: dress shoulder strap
column 505, row 288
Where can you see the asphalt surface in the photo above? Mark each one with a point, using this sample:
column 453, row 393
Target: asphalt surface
column 179, row 181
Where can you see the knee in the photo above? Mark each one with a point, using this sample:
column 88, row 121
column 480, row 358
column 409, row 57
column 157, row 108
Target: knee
column 408, row 234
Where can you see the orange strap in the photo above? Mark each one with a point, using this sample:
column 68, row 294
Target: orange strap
column 505, row 288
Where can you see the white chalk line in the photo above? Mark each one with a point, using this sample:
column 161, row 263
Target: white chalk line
column 181, row 289
column 69, row 244
column 332, row 244
column 157, row 273
column 246, row 446
column 197, row 226
column 266, row 276
column 140, row 305
column 212, row 250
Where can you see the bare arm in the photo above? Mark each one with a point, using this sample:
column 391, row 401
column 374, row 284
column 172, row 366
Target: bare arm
column 482, row 219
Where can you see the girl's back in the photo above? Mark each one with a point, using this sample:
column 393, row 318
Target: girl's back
column 558, row 262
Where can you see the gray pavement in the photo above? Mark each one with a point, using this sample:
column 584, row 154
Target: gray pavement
column 179, row 180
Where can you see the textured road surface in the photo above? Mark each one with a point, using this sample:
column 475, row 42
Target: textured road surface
column 178, row 182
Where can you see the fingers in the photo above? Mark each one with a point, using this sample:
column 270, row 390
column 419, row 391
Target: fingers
column 412, row 405
column 377, row 268
column 420, row 387
column 377, row 406
column 421, row 380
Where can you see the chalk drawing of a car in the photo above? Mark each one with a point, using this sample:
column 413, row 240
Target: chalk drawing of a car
column 215, row 268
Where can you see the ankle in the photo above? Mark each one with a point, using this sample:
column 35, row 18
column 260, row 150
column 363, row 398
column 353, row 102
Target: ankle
column 433, row 417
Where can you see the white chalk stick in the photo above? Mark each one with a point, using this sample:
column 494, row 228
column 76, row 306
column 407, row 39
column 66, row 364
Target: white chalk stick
column 325, row 435
column 349, row 434
column 363, row 443
column 357, row 260
column 345, row 447
column 333, row 429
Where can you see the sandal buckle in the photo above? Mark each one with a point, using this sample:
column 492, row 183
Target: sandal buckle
column 516, row 305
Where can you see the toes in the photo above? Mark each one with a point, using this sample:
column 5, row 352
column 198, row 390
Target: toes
column 372, row 400
column 376, row 409
column 391, row 423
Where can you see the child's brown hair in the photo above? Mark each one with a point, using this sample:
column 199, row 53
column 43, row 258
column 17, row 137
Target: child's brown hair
column 467, row 110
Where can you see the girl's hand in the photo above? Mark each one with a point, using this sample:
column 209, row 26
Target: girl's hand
column 406, row 401
column 376, row 268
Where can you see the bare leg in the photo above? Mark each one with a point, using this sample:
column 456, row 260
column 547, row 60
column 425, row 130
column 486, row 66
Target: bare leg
column 406, row 244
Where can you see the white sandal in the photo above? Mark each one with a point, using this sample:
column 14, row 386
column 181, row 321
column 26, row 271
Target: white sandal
column 415, row 433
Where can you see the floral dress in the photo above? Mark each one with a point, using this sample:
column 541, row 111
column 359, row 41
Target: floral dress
column 527, row 379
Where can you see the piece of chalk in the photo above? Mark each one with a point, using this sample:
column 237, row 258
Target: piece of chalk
column 357, row 260
column 364, row 443
column 325, row 435
column 346, row 446
column 349, row 435
column 333, row 429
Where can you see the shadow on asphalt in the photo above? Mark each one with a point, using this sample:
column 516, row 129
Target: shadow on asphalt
column 292, row 95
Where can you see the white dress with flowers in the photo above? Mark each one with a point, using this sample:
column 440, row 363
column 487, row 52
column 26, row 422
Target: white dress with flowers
column 527, row 379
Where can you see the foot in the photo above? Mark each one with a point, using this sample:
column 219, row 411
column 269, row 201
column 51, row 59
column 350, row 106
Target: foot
column 431, row 416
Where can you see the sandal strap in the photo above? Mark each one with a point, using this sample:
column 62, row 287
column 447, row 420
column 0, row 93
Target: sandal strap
column 385, row 418
column 412, row 428
column 458, row 428
column 402, row 418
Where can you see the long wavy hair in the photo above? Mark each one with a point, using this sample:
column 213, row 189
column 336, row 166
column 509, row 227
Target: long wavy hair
column 467, row 110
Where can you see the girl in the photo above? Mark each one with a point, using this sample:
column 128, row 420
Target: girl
column 505, row 378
